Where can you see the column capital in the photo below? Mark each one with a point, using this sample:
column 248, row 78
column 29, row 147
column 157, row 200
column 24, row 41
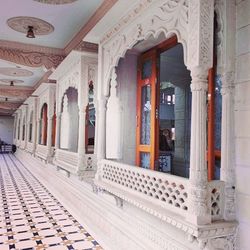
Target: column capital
column 199, row 79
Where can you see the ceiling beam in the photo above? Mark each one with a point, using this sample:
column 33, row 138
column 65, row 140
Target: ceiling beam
column 95, row 18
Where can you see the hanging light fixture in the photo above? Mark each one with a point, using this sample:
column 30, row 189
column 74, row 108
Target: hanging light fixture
column 30, row 32
column 6, row 99
column 11, row 83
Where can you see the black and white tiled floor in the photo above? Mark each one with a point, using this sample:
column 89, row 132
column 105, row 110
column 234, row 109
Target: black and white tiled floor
column 31, row 217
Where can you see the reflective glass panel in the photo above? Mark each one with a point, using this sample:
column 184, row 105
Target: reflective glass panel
column 146, row 69
column 174, row 113
column 145, row 160
column 145, row 114
column 218, row 112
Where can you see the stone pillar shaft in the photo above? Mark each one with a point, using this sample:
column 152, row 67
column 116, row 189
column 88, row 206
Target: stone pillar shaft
column 58, row 125
column 198, row 192
column 49, row 136
column 227, row 145
column 81, row 140
column 101, row 129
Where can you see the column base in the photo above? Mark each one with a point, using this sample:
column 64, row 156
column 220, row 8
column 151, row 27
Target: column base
column 199, row 220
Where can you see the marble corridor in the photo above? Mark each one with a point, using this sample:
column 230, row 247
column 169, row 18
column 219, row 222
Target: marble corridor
column 31, row 217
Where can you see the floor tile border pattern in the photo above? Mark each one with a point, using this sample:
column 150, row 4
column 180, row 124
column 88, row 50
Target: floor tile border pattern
column 11, row 165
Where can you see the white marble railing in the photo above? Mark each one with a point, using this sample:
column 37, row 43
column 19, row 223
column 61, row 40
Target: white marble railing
column 168, row 191
column 22, row 145
column 67, row 159
column 42, row 151
column 30, row 147
column 216, row 201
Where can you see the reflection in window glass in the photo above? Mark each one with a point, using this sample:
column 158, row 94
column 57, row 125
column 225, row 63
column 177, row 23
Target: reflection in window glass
column 174, row 113
column 146, row 69
column 145, row 114
column 145, row 160
column 90, row 120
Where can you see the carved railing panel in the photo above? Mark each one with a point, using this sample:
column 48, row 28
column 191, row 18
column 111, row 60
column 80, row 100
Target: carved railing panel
column 67, row 159
column 216, row 201
column 42, row 151
column 166, row 190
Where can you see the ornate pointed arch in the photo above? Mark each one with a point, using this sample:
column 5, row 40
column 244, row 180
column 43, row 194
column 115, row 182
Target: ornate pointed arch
column 169, row 17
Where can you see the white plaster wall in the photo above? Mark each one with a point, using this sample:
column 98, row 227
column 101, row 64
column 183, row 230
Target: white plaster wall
column 6, row 129
column 127, row 85
column 242, row 121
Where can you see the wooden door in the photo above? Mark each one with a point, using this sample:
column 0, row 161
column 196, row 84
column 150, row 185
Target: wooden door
column 146, row 110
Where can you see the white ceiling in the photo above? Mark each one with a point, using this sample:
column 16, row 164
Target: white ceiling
column 29, row 81
column 115, row 13
column 67, row 19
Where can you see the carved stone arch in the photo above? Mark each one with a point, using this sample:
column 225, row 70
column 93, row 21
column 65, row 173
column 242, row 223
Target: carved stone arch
column 64, row 93
column 41, row 108
column 169, row 17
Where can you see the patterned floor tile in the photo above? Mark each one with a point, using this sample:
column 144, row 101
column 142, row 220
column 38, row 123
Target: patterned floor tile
column 31, row 218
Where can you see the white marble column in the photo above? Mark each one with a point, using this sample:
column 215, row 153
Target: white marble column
column 113, row 121
column 14, row 130
column 227, row 145
column 198, row 211
column 58, row 125
column 81, row 140
column 26, row 128
column 34, row 132
column 101, row 129
column 38, row 131
column 49, row 137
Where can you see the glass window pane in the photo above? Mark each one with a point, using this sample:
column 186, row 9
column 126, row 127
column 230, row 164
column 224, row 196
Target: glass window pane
column 146, row 69
column 218, row 112
column 174, row 113
column 145, row 160
column 145, row 114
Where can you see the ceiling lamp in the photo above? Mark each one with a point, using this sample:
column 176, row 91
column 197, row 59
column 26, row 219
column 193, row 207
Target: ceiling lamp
column 6, row 99
column 11, row 83
column 30, row 32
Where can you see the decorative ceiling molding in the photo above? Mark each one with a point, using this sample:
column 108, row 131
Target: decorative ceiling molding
column 15, row 92
column 95, row 18
column 31, row 58
column 22, row 23
column 10, row 105
column 30, row 47
column 55, row 1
